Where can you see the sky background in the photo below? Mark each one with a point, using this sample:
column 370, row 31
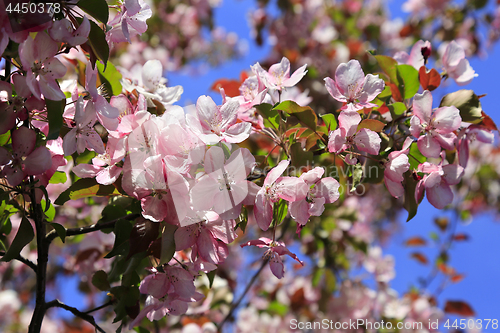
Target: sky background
column 478, row 258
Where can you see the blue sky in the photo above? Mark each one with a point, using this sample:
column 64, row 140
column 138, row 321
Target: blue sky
column 477, row 258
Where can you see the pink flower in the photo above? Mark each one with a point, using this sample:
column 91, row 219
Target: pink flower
column 107, row 114
column 470, row 134
column 437, row 182
column 203, row 237
column 83, row 135
column 382, row 267
column 224, row 187
column 63, row 31
column 321, row 191
column 164, row 193
column 275, row 250
column 42, row 69
column 276, row 188
column 103, row 166
column 129, row 22
column 25, row 159
column 418, row 56
column 397, row 165
column 456, row 66
column 218, row 123
column 278, row 76
column 347, row 135
column 351, row 86
column 438, row 126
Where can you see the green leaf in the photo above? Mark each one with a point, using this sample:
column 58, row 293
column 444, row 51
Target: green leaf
column 211, row 276
column 141, row 330
column 143, row 233
column 415, row 155
column 59, row 177
column 4, row 138
column 122, row 234
column 55, row 111
column 330, row 121
column 98, row 43
column 269, row 114
column 357, row 175
column 167, row 243
column 96, row 8
column 110, row 77
column 60, row 230
column 408, row 80
column 330, row 281
column 385, row 93
column 23, row 237
column 388, row 65
column 304, row 114
column 371, row 124
column 278, row 308
column 50, row 211
column 397, row 108
column 410, row 204
column 83, row 188
column 373, row 171
column 280, row 210
column 467, row 103
column 242, row 220
column 100, row 280
column 300, row 156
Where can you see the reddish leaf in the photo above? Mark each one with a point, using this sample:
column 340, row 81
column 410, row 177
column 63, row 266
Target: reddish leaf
column 415, row 241
column 421, row 258
column 383, row 109
column 445, row 269
column 459, row 308
column 429, row 80
column 461, row 237
column 442, row 223
column 372, row 124
column 231, row 87
column 456, row 278
column 396, row 94
column 488, row 122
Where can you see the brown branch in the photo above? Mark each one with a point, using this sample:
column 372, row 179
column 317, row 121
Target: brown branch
column 91, row 228
column 88, row 318
column 24, row 260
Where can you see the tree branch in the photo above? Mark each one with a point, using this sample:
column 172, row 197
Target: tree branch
column 94, row 227
column 88, row 318
column 108, row 303
column 24, row 260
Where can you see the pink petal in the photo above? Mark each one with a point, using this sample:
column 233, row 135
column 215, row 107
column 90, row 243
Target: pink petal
column 86, row 170
column 349, row 121
column 108, row 175
column 263, row 210
column 440, row 195
column 446, row 140
column 446, row 119
column 372, row 87
column 237, row 133
column 38, row 161
column 429, row 146
column 23, row 141
column 291, row 188
column 299, row 210
column 368, row 141
column 296, row 77
column 395, row 188
column 334, row 91
column 207, row 247
column 453, row 54
column 422, row 106
column 276, row 172
column 277, row 267
column 185, row 237
column 452, row 174
column 337, row 141
column 349, row 78
column 223, row 230
column 328, row 188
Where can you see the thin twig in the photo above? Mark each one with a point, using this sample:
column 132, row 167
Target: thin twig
column 88, row 318
column 108, row 303
column 252, row 280
column 91, row 228
column 24, row 260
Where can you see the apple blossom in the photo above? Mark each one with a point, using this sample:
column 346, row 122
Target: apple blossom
column 42, row 68
column 25, row 159
column 455, row 64
column 437, row 181
column 278, row 76
column 321, row 191
column 352, row 87
column 438, row 126
column 275, row 250
column 395, row 167
column 275, row 188
column 418, row 56
column 470, row 134
column 63, row 31
column 347, row 135
column 129, row 22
